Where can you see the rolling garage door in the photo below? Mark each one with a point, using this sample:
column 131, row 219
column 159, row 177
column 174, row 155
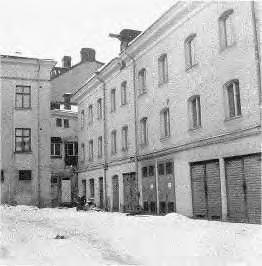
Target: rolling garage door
column 243, row 175
column 206, row 192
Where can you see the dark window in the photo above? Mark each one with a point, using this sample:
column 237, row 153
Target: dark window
column 142, row 81
column 162, row 207
column 152, row 206
column 92, row 187
column 169, row 168
column 161, row 169
column 123, row 93
column 54, row 105
column 171, row 206
column 195, row 111
column 233, row 95
column 162, row 69
column 25, row 174
column 71, row 153
column 59, row 122
column 146, row 209
column 144, row 171
column 54, row 179
column 22, row 139
column 151, row 170
column 23, row 97
column 66, row 123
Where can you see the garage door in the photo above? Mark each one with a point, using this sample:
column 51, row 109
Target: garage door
column 206, row 192
column 130, row 192
column 243, row 175
column 115, row 185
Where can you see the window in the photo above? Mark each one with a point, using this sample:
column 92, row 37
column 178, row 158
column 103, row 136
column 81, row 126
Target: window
column 190, row 51
column 25, row 174
column 165, row 123
column 125, row 138
column 100, row 147
column 113, row 142
column 113, row 100
column 169, row 168
column 195, row 111
column 99, row 109
column 67, row 101
column 161, row 169
column 82, row 152
column 142, row 81
column 23, row 97
column 162, row 69
column 151, row 170
column 71, row 149
column 144, row 171
column 66, row 123
column 233, row 99
column 82, row 119
column 90, row 114
column 92, row 187
column 56, row 147
column 226, row 29
column 91, row 150
column 58, row 122
column 22, row 140
column 144, row 133
column 123, row 93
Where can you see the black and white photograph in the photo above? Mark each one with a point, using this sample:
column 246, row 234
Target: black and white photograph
column 130, row 133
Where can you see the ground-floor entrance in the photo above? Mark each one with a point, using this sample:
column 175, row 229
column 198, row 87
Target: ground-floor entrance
column 115, row 186
column 131, row 200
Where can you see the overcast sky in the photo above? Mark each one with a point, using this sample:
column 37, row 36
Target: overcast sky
column 53, row 28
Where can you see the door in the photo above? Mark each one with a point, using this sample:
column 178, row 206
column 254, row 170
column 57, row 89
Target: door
column 84, row 187
column 130, row 192
column 101, row 192
column 66, row 191
column 115, row 186
column 243, row 176
column 54, row 191
column 206, row 190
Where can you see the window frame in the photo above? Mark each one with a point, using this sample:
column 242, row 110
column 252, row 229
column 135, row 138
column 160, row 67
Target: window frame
column 195, row 124
column 99, row 109
column 100, row 147
column 22, row 95
column 66, row 123
column 90, row 114
column 59, row 124
column 113, row 142
column 190, row 51
column 165, row 123
column 162, row 69
column 113, row 100
column 53, row 148
column 25, row 178
column 124, row 93
column 142, row 78
column 83, row 152
column 144, row 131
column 124, row 138
column 90, row 150
column 92, row 187
column 82, row 119
column 22, row 136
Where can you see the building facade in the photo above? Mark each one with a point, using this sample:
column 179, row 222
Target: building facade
column 188, row 93
column 25, row 130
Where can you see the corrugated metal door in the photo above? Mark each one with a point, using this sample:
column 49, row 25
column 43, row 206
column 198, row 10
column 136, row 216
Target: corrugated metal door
column 130, row 192
column 206, row 190
column 115, row 186
column 66, row 191
column 243, row 176
column 101, row 192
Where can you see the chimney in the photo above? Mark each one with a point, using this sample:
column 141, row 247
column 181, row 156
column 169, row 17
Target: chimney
column 88, row 55
column 66, row 61
column 125, row 36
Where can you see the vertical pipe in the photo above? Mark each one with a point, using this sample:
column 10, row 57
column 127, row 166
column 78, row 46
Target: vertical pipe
column 223, row 188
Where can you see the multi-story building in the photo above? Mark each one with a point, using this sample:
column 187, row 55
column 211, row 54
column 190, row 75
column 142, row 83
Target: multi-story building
column 25, row 130
column 64, row 145
column 180, row 126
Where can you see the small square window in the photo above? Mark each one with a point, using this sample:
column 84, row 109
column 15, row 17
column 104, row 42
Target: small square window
column 59, row 122
column 25, row 174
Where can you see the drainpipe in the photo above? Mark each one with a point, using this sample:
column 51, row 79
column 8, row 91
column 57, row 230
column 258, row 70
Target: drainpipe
column 105, row 136
column 135, row 118
column 38, row 135
column 257, row 55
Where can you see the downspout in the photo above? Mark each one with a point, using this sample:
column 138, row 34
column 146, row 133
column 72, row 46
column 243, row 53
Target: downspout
column 38, row 135
column 257, row 56
column 135, row 118
column 105, row 137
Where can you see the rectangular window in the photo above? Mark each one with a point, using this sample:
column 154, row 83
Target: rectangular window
column 190, row 52
column 56, row 147
column 169, row 168
column 91, row 150
column 113, row 100
column 125, row 138
column 113, row 142
column 165, row 123
column 23, row 97
column 82, row 152
column 151, row 170
column 123, row 93
column 100, row 147
column 144, row 171
column 144, row 133
column 162, row 69
column 92, row 187
column 82, row 119
column 99, row 109
column 195, row 112
column 90, row 114
column 25, row 175
column 22, row 140
column 66, row 123
column 226, row 29
column 161, row 169
column 142, row 81
column 58, row 122
column 71, row 149
column 233, row 97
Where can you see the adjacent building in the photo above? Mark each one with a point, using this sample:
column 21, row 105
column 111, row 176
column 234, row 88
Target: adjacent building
column 25, row 130
column 174, row 122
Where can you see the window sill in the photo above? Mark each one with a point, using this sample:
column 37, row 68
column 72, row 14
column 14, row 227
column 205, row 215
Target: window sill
column 189, row 68
column 56, row 156
column 233, row 118
column 23, row 152
column 23, row 109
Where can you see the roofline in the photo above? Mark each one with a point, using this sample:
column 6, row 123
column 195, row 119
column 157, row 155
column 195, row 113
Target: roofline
column 24, row 57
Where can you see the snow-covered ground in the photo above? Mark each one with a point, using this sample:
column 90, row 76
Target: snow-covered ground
column 95, row 238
